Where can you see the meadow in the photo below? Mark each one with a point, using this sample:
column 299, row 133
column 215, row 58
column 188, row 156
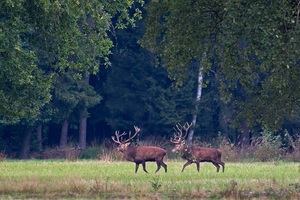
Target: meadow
column 56, row 179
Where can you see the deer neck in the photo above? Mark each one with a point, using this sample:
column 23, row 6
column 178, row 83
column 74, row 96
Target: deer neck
column 187, row 147
column 187, row 152
column 129, row 153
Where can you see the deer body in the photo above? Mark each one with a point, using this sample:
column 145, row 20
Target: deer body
column 141, row 154
column 194, row 154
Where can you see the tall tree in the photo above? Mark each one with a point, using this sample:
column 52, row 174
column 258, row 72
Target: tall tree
column 41, row 38
column 136, row 93
column 72, row 99
column 255, row 45
column 88, row 98
column 83, row 121
column 260, row 51
column 180, row 32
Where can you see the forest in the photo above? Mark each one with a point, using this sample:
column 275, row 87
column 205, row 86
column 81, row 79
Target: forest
column 74, row 72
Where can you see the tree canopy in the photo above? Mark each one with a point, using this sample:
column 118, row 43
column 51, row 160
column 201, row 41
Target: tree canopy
column 255, row 45
column 41, row 38
column 56, row 88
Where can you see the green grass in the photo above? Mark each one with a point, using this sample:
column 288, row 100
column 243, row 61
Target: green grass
column 117, row 180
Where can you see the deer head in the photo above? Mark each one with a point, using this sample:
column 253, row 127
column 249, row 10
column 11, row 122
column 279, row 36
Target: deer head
column 123, row 144
column 178, row 139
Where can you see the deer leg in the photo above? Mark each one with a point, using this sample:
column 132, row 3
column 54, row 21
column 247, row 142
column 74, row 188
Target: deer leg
column 164, row 165
column 223, row 165
column 186, row 164
column 137, row 167
column 160, row 163
column 144, row 166
column 217, row 166
column 198, row 166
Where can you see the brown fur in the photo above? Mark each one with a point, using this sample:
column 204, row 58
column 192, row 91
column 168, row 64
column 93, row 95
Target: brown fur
column 196, row 155
column 142, row 154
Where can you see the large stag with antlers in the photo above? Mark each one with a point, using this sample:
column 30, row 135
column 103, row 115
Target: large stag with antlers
column 194, row 154
column 140, row 154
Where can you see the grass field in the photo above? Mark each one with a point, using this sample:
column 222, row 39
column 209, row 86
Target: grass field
column 117, row 180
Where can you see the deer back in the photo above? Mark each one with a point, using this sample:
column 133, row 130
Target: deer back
column 206, row 154
column 143, row 153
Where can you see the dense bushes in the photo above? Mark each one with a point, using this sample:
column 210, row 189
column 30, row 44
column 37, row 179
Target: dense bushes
column 266, row 147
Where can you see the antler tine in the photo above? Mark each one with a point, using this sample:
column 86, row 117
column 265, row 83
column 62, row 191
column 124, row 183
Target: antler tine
column 137, row 130
column 186, row 127
column 176, row 139
column 179, row 129
column 178, row 134
column 118, row 136
column 124, row 133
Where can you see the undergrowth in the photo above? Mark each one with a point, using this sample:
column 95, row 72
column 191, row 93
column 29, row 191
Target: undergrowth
column 264, row 148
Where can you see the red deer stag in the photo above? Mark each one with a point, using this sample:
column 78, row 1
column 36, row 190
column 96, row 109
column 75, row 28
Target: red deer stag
column 140, row 154
column 194, row 154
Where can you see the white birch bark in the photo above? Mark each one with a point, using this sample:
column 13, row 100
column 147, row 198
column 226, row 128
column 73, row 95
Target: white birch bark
column 198, row 98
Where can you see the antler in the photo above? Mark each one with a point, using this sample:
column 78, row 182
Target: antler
column 179, row 128
column 118, row 136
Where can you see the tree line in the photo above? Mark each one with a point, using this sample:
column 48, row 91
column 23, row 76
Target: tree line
column 76, row 72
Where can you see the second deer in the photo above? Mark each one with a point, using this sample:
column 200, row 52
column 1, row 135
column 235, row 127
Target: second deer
column 140, row 154
column 194, row 154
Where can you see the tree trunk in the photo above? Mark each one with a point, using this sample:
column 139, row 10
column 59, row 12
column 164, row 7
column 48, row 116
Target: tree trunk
column 245, row 136
column 198, row 98
column 39, row 137
column 25, row 148
column 64, row 134
column 82, row 133
column 83, row 125
column 224, row 116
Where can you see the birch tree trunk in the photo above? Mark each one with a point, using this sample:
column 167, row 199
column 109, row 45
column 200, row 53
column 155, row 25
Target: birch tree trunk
column 198, row 98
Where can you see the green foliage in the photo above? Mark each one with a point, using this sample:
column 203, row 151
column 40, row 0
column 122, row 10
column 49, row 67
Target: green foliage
column 136, row 93
column 41, row 38
column 291, row 145
column 156, row 183
column 254, row 44
column 73, row 96
column 90, row 153
column 262, row 57
column 24, row 87
column 268, row 147
column 177, row 37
